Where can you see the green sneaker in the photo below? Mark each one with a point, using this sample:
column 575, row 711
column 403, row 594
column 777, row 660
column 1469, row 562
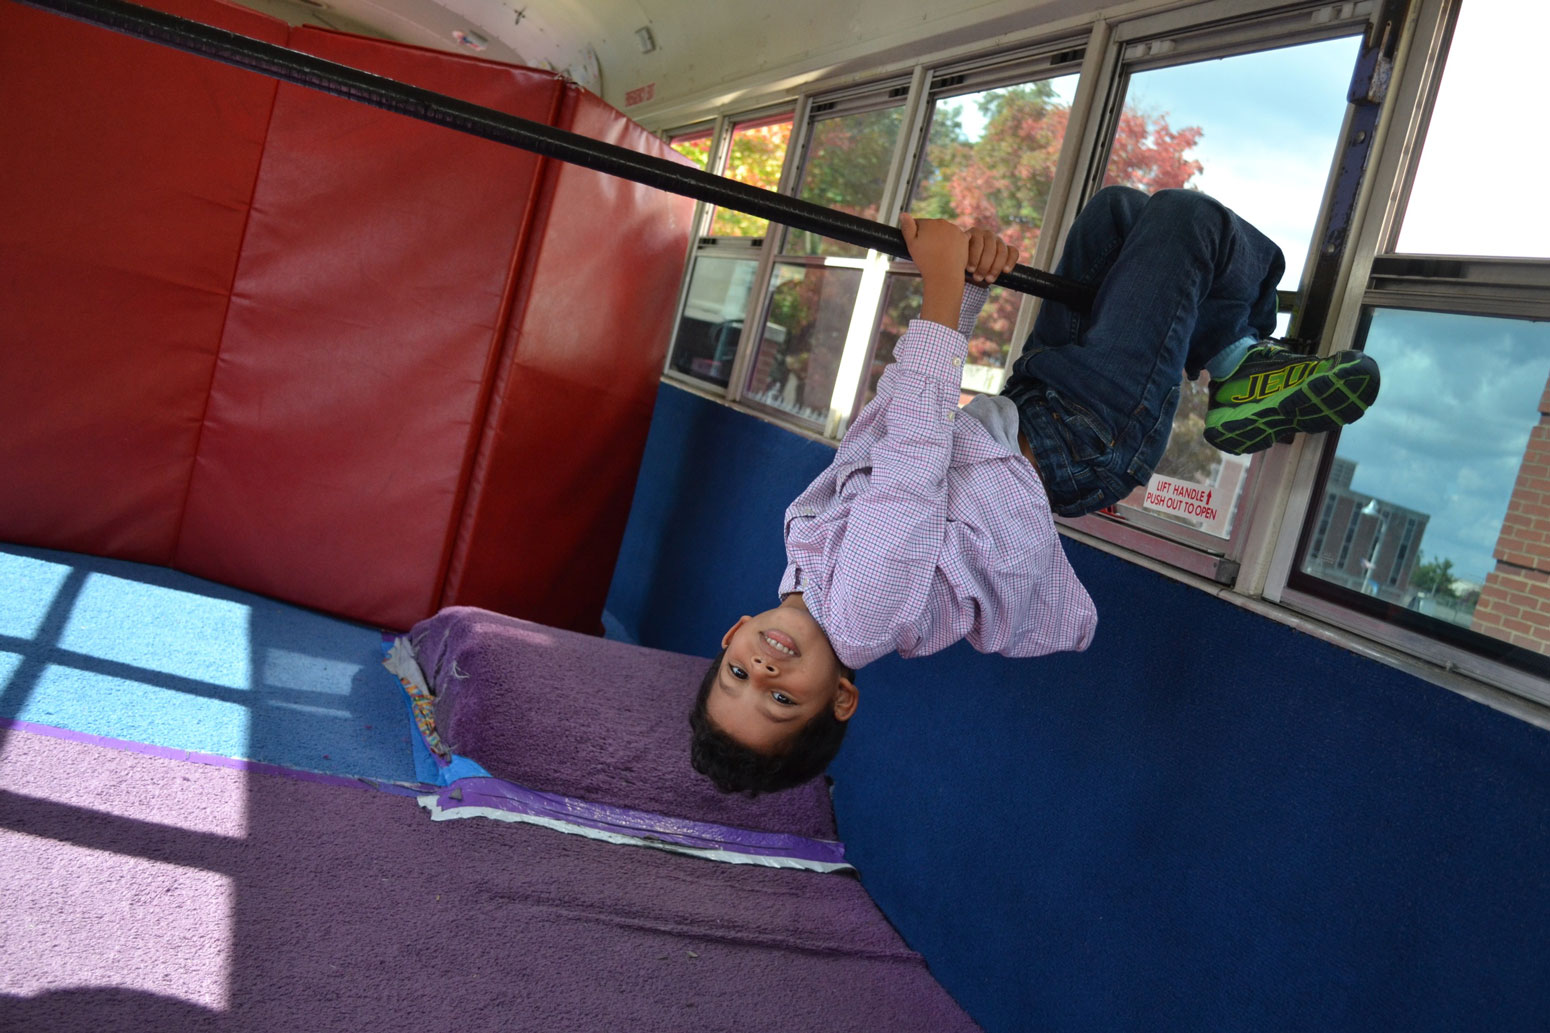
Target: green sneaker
column 1275, row 394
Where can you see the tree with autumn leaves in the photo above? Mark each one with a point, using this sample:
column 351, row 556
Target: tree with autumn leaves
column 1002, row 181
column 754, row 156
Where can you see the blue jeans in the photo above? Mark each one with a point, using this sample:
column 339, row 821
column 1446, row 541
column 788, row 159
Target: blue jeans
column 1180, row 277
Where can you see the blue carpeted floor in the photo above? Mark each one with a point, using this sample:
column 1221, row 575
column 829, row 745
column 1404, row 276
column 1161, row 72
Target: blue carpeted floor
column 148, row 654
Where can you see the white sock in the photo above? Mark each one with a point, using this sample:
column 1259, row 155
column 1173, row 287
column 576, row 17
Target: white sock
column 1228, row 359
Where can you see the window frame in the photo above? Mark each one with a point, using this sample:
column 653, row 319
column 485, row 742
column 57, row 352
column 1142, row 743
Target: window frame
column 1171, row 40
column 880, row 94
column 723, row 126
column 1381, row 277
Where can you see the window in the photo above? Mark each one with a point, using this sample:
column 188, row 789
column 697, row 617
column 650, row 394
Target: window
column 726, row 262
column 711, row 320
column 989, row 160
column 1443, row 489
column 694, row 144
column 848, row 158
column 817, row 289
column 1258, row 131
column 1472, row 129
column 800, row 329
column 754, row 155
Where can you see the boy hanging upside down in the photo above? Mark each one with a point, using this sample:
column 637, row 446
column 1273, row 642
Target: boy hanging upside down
column 934, row 523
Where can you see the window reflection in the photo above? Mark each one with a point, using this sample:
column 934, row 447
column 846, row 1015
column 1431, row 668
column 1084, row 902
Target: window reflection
column 712, row 319
column 1439, row 499
column 808, row 317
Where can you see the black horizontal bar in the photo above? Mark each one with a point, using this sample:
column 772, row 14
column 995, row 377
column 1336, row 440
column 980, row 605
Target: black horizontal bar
column 439, row 109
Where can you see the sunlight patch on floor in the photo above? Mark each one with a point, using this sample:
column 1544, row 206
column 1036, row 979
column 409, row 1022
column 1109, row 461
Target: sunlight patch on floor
column 143, row 925
column 285, row 669
column 161, row 629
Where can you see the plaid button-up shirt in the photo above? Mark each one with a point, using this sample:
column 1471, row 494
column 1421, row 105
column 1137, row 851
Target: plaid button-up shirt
column 924, row 530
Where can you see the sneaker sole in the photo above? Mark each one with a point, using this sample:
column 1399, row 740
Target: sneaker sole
column 1325, row 401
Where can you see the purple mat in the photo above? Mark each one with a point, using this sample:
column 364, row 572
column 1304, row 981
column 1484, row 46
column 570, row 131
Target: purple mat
column 582, row 717
column 156, row 894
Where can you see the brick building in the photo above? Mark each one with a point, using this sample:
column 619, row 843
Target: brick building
column 1366, row 544
column 1515, row 602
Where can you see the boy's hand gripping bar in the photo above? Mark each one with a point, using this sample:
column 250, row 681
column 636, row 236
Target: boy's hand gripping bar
column 390, row 95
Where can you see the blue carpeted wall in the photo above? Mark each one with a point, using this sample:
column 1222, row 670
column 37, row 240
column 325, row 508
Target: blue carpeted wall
column 1207, row 822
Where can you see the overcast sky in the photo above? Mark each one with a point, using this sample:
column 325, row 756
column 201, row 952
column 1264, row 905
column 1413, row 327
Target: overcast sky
column 1460, row 396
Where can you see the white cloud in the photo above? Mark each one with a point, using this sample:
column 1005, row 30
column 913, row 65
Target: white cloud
column 1460, row 396
column 1269, row 123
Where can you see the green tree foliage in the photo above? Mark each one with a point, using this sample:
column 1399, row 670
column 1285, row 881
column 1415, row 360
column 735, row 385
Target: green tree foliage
column 1435, row 577
column 847, row 170
column 696, row 148
column 754, row 157
column 1002, row 181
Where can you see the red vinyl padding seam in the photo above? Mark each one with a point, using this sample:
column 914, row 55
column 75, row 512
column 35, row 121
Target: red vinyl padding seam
column 231, row 289
column 519, row 271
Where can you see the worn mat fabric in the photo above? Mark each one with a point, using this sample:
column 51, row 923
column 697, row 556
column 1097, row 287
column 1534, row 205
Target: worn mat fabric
column 143, row 893
column 602, row 721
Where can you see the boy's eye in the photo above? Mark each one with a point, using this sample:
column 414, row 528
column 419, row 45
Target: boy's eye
column 737, row 672
column 783, row 699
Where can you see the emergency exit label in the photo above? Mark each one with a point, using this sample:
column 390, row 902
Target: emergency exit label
column 1181, row 498
column 1205, row 507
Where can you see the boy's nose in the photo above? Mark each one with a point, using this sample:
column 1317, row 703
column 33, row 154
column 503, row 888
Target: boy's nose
column 764, row 665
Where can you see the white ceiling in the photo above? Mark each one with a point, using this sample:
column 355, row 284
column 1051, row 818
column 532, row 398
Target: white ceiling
column 703, row 49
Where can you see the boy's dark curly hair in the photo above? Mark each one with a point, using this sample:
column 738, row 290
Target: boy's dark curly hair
column 735, row 768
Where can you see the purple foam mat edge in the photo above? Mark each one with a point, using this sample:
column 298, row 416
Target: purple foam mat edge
column 499, row 794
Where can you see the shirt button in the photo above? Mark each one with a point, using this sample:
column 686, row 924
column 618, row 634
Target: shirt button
column 953, row 415
column 957, row 361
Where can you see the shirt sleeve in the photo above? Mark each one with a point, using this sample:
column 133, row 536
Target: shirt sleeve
column 974, row 296
column 893, row 538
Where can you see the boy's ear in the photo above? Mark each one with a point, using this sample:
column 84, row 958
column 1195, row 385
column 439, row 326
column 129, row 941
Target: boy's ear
column 845, row 699
column 726, row 640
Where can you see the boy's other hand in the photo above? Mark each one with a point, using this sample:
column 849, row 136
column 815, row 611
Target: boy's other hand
column 940, row 248
column 944, row 254
column 989, row 256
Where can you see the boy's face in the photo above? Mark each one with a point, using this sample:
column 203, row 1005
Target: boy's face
column 778, row 673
